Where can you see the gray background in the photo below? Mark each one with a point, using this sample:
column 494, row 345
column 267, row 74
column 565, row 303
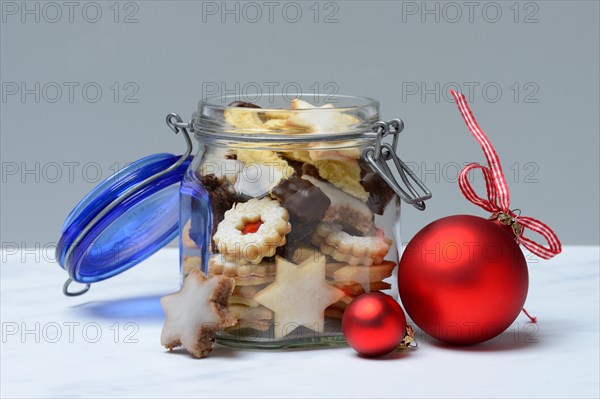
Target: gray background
column 546, row 136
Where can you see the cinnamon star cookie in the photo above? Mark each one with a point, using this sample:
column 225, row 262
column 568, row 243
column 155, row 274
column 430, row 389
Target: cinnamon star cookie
column 196, row 312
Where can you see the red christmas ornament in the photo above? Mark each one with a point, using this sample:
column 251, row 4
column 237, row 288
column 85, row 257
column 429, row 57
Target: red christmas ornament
column 374, row 324
column 463, row 279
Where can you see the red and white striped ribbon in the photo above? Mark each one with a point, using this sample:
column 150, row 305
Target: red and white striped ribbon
column 498, row 196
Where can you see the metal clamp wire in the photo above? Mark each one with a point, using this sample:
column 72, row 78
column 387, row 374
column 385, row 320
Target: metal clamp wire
column 378, row 156
column 382, row 129
column 66, row 291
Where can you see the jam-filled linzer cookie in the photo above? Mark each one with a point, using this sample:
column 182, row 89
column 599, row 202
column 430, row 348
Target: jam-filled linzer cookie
column 343, row 247
column 252, row 230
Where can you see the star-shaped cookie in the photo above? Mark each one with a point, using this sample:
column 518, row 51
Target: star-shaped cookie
column 196, row 312
column 299, row 295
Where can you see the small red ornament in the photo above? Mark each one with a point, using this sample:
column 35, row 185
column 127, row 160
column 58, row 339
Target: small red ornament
column 374, row 324
column 463, row 279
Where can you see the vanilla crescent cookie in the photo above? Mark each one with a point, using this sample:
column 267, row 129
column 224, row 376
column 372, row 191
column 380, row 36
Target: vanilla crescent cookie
column 353, row 250
column 240, row 244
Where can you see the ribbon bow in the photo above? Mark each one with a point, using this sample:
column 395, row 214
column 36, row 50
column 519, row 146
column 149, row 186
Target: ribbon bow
column 498, row 197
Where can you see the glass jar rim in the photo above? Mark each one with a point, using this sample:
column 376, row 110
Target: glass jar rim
column 209, row 121
column 223, row 102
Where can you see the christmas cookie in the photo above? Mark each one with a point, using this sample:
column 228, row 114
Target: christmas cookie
column 320, row 152
column 196, row 312
column 240, row 116
column 326, row 120
column 218, row 265
column 245, row 274
column 243, row 312
column 262, row 171
column 332, row 267
column 380, row 194
column 252, row 230
column 190, row 263
column 253, row 280
column 299, row 156
column 362, row 274
column 355, row 289
column 343, row 303
column 186, row 240
column 343, row 175
column 334, row 313
column 303, row 253
column 353, row 250
column 248, row 291
column 351, row 212
column 302, row 199
column 355, row 280
column 240, row 300
column 299, row 296
column 349, row 155
column 242, row 119
column 244, row 295
column 222, row 163
column 222, row 196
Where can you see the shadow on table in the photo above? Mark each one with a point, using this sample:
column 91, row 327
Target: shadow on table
column 130, row 309
column 222, row 352
column 395, row 355
column 523, row 336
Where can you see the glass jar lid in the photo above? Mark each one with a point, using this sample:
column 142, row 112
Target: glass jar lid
column 124, row 219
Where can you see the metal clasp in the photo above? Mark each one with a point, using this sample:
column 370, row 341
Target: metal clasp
column 378, row 156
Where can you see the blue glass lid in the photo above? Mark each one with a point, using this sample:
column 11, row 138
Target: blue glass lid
column 123, row 220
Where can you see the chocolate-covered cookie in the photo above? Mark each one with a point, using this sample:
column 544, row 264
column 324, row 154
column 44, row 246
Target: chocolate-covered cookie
column 296, row 165
column 302, row 199
column 380, row 194
column 299, row 236
column 222, row 196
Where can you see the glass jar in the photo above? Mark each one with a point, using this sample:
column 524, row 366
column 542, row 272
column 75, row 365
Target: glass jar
column 294, row 200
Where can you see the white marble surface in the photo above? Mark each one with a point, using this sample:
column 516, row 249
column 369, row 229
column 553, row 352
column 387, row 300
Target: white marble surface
column 557, row 358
